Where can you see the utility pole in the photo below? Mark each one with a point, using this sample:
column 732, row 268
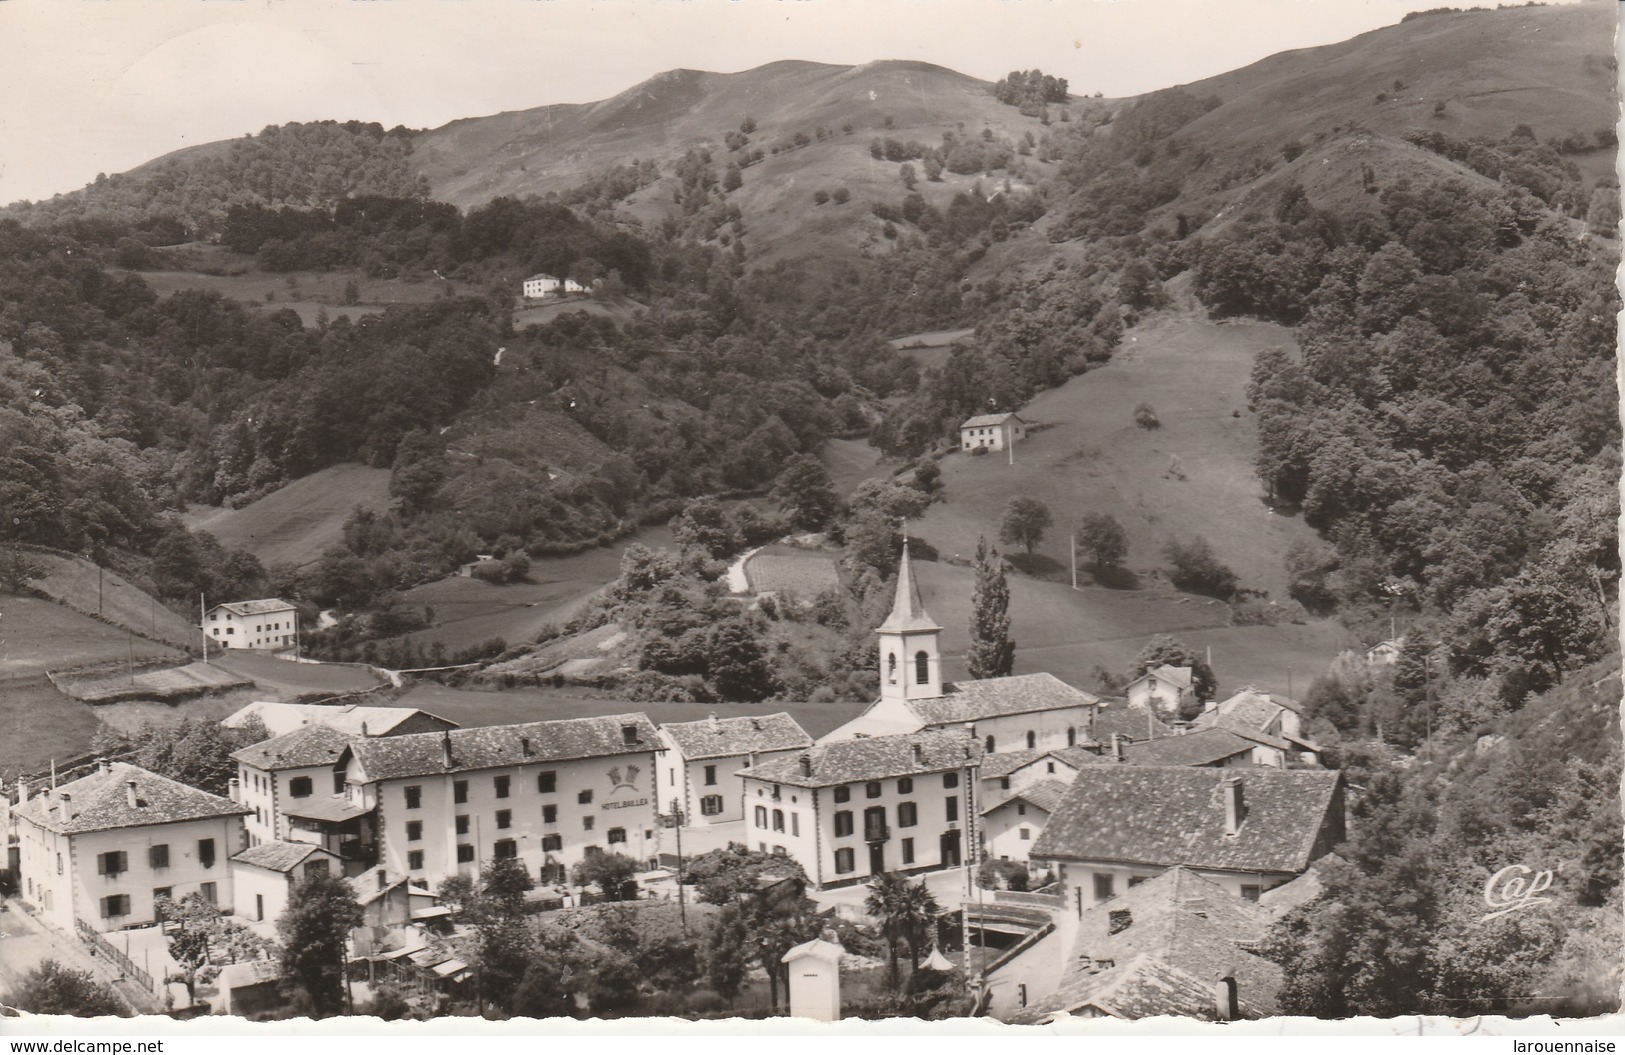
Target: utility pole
column 202, row 617
column 677, row 820
column 1074, row 540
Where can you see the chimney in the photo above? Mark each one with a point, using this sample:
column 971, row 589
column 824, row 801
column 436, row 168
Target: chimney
column 363, row 728
column 445, row 747
column 524, row 746
column 712, row 720
column 629, row 735
column 1210, row 705
column 67, row 805
column 22, row 790
column 1235, row 806
column 919, row 753
column 1117, row 747
column 1224, row 999
column 806, row 765
column 750, row 759
column 104, row 765
column 130, row 797
column 756, row 723
column 232, row 789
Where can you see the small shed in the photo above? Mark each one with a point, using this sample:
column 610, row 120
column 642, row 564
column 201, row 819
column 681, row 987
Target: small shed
column 815, row 980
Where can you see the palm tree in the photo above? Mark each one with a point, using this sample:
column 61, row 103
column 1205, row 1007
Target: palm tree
column 907, row 912
column 919, row 911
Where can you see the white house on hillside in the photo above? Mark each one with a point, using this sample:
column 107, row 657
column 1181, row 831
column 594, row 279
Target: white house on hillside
column 268, row 624
column 1162, row 690
column 992, row 431
column 541, row 285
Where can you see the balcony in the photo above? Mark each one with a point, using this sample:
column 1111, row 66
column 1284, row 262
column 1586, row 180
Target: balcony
column 876, row 833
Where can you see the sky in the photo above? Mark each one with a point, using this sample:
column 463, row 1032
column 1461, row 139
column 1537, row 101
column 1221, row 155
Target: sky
column 92, row 86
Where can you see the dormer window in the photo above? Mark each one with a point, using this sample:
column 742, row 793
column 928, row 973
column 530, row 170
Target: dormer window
column 629, row 735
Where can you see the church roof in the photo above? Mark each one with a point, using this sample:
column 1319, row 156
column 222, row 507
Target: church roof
column 971, row 701
column 908, row 613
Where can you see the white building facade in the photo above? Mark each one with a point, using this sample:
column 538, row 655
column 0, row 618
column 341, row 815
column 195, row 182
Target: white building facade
column 267, row 624
column 700, row 770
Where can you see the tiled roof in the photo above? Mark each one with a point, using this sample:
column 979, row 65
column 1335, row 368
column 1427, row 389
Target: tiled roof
column 1180, row 677
column 1282, row 899
column 1175, row 815
column 1045, row 794
column 1247, row 732
column 1183, row 933
column 1134, row 722
column 264, row 607
column 279, row 718
column 100, row 801
column 908, row 612
column 420, row 754
column 970, row 701
column 1256, row 710
column 1003, row 763
column 308, row 745
column 1199, row 747
column 721, row 737
column 277, row 856
column 873, row 758
column 1076, row 757
column 982, row 420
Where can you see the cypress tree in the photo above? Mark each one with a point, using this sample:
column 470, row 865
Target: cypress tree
column 992, row 654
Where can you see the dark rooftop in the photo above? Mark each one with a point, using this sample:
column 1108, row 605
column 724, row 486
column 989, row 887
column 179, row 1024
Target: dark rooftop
column 309, row 745
column 1200, row 747
column 277, row 856
column 969, row 701
column 101, row 801
column 723, row 737
column 873, row 758
column 489, row 747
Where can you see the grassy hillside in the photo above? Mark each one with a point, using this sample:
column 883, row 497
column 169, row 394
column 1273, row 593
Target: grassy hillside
column 1087, row 455
column 80, row 585
column 294, row 524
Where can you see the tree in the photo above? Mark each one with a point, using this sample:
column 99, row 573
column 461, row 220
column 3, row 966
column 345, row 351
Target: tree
column 1103, row 539
column 726, row 875
column 992, row 654
column 611, row 873
column 52, row 989
column 727, row 953
column 1165, row 650
column 1146, row 417
column 820, row 197
column 1195, row 567
column 906, row 913
column 706, row 526
column 907, row 175
column 1024, row 523
column 543, row 991
column 805, row 490
column 321, row 911
column 736, row 663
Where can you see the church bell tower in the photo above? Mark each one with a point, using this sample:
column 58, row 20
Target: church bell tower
column 910, row 653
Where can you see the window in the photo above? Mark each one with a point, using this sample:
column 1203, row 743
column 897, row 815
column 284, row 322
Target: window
column 501, row 785
column 871, row 790
column 795, row 824
column 845, row 860
column 317, row 867
column 504, row 849
column 616, row 835
column 1026, row 834
column 459, row 791
column 843, row 794
column 586, row 823
column 550, row 814
column 1004, row 783
column 112, row 863
column 922, row 668
column 414, row 860
column 547, row 782
column 205, row 852
column 950, row 780
column 58, row 864
column 952, row 802
column 116, row 905
column 462, row 824
column 299, row 787
column 710, row 805
column 1051, row 766
column 552, row 843
column 1021, row 809
column 1032, row 739
column 843, row 823
column 908, row 851
column 585, row 798
column 778, row 820
column 710, row 775
column 1250, row 892
column 1103, row 886
column 761, row 816
column 504, row 818
column 414, row 797
column 905, row 786
column 987, row 745
column 414, row 831
column 465, row 853
column 158, row 856
column 1071, row 736
column 209, row 892
column 338, row 783
column 891, row 668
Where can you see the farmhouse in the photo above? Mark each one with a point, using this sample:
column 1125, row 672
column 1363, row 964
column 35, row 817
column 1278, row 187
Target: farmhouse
column 916, row 793
column 350, row 719
column 992, row 432
column 1247, row 831
column 1162, row 689
column 541, row 285
column 700, row 771
column 269, row 623
column 99, row 851
column 1021, row 712
column 1274, row 721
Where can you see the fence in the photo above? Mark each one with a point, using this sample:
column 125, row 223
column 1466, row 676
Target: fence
column 102, row 945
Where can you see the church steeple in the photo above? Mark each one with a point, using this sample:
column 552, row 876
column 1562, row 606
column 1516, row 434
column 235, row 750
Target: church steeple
column 910, row 656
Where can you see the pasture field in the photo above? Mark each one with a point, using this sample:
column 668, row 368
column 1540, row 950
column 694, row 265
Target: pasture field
column 804, row 573
column 240, row 280
column 294, row 679
column 296, row 522
column 1192, row 476
column 167, row 683
column 929, row 350
column 850, row 462
column 76, row 583
column 39, row 724
column 37, row 635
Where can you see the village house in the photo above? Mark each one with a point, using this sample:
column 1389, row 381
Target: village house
column 351, row 719
column 1246, row 830
column 1012, row 825
column 1162, row 690
column 1021, row 712
column 1176, row 944
column 700, row 771
column 1116, row 717
column 993, row 432
column 1275, row 721
column 101, row 850
column 264, row 876
column 851, row 809
column 294, row 793
column 266, row 624
column 1209, row 746
column 542, row 285
column 1385, row 653
column 547, row 794
column 1008, row 771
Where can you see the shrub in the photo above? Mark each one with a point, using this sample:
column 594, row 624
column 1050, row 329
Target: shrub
column 820, row 197
column 1146, row 417
column 1195, row 567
